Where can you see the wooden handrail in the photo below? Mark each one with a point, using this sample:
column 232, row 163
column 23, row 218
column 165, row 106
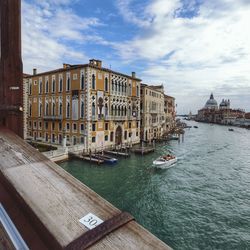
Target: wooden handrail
column 54, row 201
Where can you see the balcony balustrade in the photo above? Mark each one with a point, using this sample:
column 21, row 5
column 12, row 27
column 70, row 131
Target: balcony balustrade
column 53, row 117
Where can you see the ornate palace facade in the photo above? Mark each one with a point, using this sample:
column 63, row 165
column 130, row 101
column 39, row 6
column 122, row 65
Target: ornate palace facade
column 87, row 104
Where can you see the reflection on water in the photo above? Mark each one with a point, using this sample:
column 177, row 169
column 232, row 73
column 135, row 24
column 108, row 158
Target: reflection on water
column 203, row 202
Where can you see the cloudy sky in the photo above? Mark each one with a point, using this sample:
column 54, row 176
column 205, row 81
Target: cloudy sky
column 193, row 47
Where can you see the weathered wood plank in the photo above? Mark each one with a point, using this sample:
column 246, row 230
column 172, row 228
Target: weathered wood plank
column 59, row 200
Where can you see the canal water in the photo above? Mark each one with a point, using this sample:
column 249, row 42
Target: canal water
column 202, row 202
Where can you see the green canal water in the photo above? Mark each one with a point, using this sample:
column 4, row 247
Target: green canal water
column 202, row 202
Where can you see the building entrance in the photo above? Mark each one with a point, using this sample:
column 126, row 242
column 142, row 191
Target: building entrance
column 118, row 135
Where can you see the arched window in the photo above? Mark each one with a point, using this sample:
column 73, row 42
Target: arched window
column 129, row 111
column 125, row 111
column 119, row 87
column 60, row 108
column 47, row 87
column 125, row 89
column 40, row 109
column 106, row 109
column 119, row 111
column 68, row 110
column 82, row 81
column 137, row 90
column 122, row 112
column 30, row 88
column 116, row 86
column 106, row 84
column 53, row 85
column 68, row 84
column 93, row 81
column 47, row 109
column 82, row 109
column 60, row 85
column 93, row 109
column 30, row 110
column 112, row 110
column 40, row 87
column 122, row 89
column 53, row 109
column 113, row 87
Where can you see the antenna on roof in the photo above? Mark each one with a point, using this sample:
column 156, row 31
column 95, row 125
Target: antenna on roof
column 110, row 66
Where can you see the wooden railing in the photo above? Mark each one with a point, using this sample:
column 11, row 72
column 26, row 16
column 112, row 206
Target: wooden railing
column 54, row 201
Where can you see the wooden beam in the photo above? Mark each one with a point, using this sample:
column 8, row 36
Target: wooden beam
column 11, row 68
column 54, row 200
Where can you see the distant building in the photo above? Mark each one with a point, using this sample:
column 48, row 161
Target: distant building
column 87, row 104
column 222, row 115
column 152, row 112
column 170, row 113
column 157, row 112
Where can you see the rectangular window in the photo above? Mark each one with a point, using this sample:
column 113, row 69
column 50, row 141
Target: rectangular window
column 34, row 124
column 67, row 126
column 106, row 126
column 129, row 124
column 53, row 126
column 136, row 133
column 60, row 126
column 74, row 126
column 111, row 136
column 93, row 139
column 93, row 127
column 125, row 135
column 46, row 125
column 40, row 125
column 130, row 134
column 106, row 137
column 82, row 127
column 137, row 124
column 75, row 77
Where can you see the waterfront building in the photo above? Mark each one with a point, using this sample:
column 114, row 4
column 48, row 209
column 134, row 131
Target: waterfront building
column 152, row 112
column 170, row 113
column 223, row 114
column 86, row 104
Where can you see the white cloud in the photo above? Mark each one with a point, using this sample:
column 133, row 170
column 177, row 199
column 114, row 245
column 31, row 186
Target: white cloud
column 48, row 31
column 205, row 51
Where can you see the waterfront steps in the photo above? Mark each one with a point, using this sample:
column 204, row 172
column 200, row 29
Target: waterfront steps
column 40, row 197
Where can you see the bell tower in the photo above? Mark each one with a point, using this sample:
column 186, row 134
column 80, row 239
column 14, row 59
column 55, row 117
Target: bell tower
column 11, row 68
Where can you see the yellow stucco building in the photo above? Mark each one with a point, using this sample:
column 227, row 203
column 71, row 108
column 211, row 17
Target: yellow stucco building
column 88, row 104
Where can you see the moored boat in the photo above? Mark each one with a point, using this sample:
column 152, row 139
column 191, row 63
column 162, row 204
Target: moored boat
column 230, row 129
column 106, row 158
column 174, row 137
column 165, row 161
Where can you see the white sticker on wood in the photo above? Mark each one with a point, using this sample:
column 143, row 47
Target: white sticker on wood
column 90, row 221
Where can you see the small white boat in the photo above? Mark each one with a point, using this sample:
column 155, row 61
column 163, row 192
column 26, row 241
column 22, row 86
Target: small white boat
column 165, row 161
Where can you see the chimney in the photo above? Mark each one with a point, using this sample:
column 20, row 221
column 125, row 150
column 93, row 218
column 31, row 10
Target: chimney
column 97, row 63
column 34, row 72
column 66, row 65
column 133, row 74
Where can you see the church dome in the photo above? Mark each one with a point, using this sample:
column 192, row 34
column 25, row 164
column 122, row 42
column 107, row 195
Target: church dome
column 211, row 103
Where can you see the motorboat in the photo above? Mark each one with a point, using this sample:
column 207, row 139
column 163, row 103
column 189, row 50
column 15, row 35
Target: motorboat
column 174, row 137
column 106, row 158
column 230, row 129
column 165, row 161
column 195, row 126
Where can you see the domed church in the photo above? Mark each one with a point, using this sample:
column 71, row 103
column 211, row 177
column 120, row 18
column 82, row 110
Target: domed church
column 211, row 103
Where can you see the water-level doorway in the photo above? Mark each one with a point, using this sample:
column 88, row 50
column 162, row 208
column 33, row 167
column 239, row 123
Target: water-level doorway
column 118, row 136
